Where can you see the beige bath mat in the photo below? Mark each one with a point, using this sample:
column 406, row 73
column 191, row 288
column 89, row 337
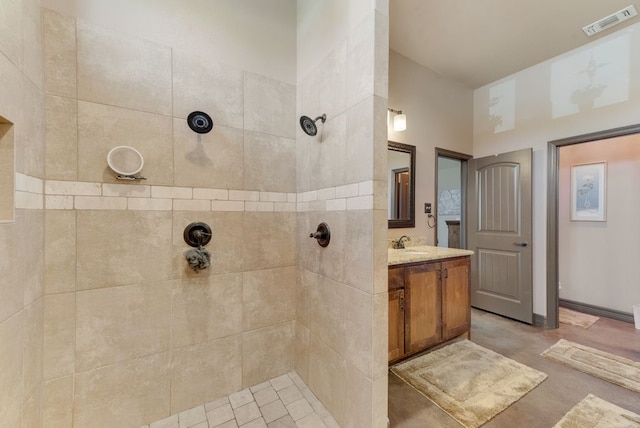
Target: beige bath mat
column 594, row 412
column 612, row 368
column 469, row 382
column 567, row 316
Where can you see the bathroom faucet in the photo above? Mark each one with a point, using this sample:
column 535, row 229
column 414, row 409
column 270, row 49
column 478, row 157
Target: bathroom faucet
column 399, row 244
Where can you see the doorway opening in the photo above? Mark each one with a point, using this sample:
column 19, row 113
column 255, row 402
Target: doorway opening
column 555, row 208
column 449, row 205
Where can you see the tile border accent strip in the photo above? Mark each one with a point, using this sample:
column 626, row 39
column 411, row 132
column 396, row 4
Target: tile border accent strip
column 35, row 193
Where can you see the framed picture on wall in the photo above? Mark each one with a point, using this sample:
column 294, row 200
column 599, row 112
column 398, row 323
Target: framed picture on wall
column 589, row 191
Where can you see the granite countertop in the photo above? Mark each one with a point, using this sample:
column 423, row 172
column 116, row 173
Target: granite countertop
column 424, row 253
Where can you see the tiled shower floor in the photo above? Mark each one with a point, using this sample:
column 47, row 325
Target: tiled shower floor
column 283, row 402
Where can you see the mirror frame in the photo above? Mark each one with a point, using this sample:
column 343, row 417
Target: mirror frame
column 411, row 150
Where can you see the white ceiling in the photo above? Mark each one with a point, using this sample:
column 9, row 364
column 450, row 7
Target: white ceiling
column 477, row 42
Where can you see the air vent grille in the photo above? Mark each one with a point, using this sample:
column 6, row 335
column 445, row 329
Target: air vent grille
column 610, row 21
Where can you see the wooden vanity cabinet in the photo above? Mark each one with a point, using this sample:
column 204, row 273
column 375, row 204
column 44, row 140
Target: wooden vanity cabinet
column 396, row 313
column 429, row 303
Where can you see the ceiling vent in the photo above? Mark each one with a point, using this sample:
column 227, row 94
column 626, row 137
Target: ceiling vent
column 610, row 21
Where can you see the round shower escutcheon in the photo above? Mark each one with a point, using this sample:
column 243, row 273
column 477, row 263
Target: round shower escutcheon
column 197, row 234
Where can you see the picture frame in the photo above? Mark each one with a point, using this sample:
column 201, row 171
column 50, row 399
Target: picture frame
column 589, row 191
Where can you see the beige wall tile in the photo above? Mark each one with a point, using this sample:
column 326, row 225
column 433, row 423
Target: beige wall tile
column 60, row 251
column 59, row 54
column 268, row 241
column 12, row 248
column 32, row 42
column 11, row 31
column 359, row 151
column 361, row 57
column 101, row 128
column 359, row 258
column 122, row 247
column 261, row 153
column 208, row 160
column 381, row 60
column 59, row 335
column 358, row 405
column 380, row 139
column 269, row 106
column 206, row 308
column 99, row 203
column 267, row 353
column 359, row 330
column 331, row 76
column 33, row 256
column 32, row 131
column 8, row 182
column 380, row 326
column 327, row 313
column 123, row 71
column 328, row 377
column 120, row 323
column 380, row 253
column 306, row 282
column 327, row 159
column 268, row 297
column 33, row 349
column 57, row 403
column 199, row 83
column 302, row 352
column 12, row 101
column 225, row 247
column 53, row 187
column 138, row 389
column 206, row 371
column 11, row 352
column 32, row 409
column 61, row 136
column 331, row 259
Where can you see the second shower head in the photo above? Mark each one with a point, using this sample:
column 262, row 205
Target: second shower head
column 309, row 125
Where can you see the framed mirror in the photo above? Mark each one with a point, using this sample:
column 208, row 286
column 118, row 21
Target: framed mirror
column 401, row 164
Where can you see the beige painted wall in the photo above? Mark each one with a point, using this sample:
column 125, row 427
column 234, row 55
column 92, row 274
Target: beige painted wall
column 598, row 261
column 439, row 114
column 593, row 88
column 342, row 289
column 21, row 236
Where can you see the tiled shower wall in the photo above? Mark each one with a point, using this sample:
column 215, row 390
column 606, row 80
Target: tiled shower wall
column 101, row 322
column 131, row 334
column 341, row 334
column 21, row 230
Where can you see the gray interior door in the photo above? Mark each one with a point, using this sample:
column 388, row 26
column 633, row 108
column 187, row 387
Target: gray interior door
column 499, row 232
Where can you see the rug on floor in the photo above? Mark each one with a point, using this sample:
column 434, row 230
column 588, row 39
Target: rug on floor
column 594, row 412
column 610, row 367
column 567, row 316
column 472, row 384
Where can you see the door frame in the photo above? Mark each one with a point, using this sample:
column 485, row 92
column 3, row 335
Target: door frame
column 553, row 148
column 463, row 158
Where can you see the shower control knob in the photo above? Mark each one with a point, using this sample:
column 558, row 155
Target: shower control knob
column 322, row 234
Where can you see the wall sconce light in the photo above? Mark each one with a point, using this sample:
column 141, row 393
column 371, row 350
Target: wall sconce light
column 399, row 120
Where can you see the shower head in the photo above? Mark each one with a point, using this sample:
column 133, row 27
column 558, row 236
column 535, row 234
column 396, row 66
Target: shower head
column 309, row 125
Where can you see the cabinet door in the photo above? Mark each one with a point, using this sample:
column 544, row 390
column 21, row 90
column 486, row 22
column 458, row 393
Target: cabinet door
column 456, row 304
column 422, row 307
column 396, row 324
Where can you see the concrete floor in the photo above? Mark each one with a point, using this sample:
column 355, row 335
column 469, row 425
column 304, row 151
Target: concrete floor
column 546, row 404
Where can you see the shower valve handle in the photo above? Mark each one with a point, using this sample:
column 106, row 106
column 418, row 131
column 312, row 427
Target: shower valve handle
column 322, row 234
